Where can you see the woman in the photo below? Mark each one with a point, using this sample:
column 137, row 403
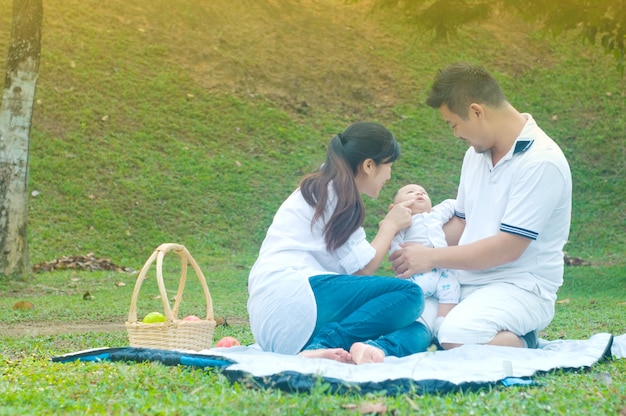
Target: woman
column 306, row 295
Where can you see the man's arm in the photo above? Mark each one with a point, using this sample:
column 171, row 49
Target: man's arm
column 483, row 254
column 453, row 230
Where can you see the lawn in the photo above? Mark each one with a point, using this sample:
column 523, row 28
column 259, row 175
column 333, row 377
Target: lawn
column 189, row 122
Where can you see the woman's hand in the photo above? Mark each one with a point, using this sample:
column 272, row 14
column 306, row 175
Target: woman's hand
column 410, row 259
column 398, row 217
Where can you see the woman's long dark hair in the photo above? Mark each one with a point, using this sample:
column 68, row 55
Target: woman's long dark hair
column 346, row 152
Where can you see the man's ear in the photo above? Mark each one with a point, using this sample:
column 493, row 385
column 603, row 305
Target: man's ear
column 476, row 110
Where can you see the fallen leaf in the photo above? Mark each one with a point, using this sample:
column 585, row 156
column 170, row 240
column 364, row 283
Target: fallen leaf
column 366, row 408
column 563, row 301
column 88, row 262
column 575, row 261
column 88, row 296
column 23, row 305
column 604, row 378
column 120, row 284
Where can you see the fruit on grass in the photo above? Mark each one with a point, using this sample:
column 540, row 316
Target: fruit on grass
column 191, row 318
column 227, row 342
column 153, row 317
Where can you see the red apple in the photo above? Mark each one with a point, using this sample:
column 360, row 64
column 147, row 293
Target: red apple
column 191, row 318
column 227, row 342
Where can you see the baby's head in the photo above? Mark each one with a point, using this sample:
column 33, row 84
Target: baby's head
column 417, row 194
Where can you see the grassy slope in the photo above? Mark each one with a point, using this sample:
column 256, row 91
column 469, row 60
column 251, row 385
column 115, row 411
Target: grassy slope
column 133, row 146
column 171, row 121
column 153, row 127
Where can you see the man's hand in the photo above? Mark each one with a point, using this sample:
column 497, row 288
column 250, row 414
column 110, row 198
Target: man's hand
column 410, row 259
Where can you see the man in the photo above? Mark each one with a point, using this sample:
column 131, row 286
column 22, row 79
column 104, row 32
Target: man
column 512, row 216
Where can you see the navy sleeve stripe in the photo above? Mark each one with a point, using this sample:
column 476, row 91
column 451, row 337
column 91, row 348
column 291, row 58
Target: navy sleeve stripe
column 519, row 231
column 461, row 215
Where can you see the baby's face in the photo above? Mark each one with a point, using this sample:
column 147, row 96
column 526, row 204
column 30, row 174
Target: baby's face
column 417, row 194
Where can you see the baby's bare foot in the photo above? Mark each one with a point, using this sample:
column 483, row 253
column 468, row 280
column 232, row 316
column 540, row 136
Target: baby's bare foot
column 336, row 354
column 363, row 353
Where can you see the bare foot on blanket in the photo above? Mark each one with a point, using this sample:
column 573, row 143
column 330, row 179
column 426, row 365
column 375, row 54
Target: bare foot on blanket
column 336, row 354
column 363, row 353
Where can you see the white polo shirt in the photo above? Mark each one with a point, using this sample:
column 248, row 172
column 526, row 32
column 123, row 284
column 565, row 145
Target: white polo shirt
column 281, row 305
column 527, row 193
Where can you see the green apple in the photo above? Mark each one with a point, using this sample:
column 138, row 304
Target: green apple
column 153, row 317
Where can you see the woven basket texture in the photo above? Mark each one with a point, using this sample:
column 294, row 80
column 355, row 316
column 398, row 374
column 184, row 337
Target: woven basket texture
column 174, row 333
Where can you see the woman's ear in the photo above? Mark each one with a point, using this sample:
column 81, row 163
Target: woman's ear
column 367, row 166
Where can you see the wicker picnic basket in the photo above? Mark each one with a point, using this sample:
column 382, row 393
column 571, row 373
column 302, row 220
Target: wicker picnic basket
column 173, row 334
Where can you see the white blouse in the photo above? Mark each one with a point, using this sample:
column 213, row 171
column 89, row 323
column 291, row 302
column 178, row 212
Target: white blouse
column 281, row 304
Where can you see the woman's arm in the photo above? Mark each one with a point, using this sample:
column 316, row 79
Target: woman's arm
column 398, row 217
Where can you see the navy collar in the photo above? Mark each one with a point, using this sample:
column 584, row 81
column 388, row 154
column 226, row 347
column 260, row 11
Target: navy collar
column 522, row 146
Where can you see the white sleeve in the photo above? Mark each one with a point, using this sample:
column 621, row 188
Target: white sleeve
column 444, row 210
column 356, row 253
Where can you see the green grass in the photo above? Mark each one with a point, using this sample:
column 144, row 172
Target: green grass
column 187, row 122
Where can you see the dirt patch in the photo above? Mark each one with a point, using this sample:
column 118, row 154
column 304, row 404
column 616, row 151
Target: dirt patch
column 35, row 329
column 329, row 55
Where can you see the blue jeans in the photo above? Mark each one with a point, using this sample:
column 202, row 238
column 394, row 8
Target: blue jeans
column 381, row 311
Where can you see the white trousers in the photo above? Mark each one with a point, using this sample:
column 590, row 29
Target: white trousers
column 486, row 310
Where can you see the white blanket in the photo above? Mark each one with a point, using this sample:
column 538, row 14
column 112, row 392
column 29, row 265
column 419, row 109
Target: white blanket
column 469, row 364
column 465, row 368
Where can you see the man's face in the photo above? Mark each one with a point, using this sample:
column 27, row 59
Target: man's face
column 470, row 129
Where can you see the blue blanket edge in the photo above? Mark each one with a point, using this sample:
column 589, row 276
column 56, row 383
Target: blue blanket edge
column 295, row 382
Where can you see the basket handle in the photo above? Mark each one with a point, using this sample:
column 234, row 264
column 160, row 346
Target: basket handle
column 158, row 254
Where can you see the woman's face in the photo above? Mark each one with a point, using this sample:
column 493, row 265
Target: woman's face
column 371, row 177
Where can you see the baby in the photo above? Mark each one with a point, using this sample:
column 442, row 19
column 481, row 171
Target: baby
column 427, row 229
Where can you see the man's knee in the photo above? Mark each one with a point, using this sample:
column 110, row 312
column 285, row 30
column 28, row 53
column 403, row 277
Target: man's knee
column 454, row 333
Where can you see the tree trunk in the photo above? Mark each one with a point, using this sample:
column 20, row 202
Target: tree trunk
column 15, row 120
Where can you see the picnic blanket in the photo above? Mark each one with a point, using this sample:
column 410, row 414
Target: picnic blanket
column 466, row 368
